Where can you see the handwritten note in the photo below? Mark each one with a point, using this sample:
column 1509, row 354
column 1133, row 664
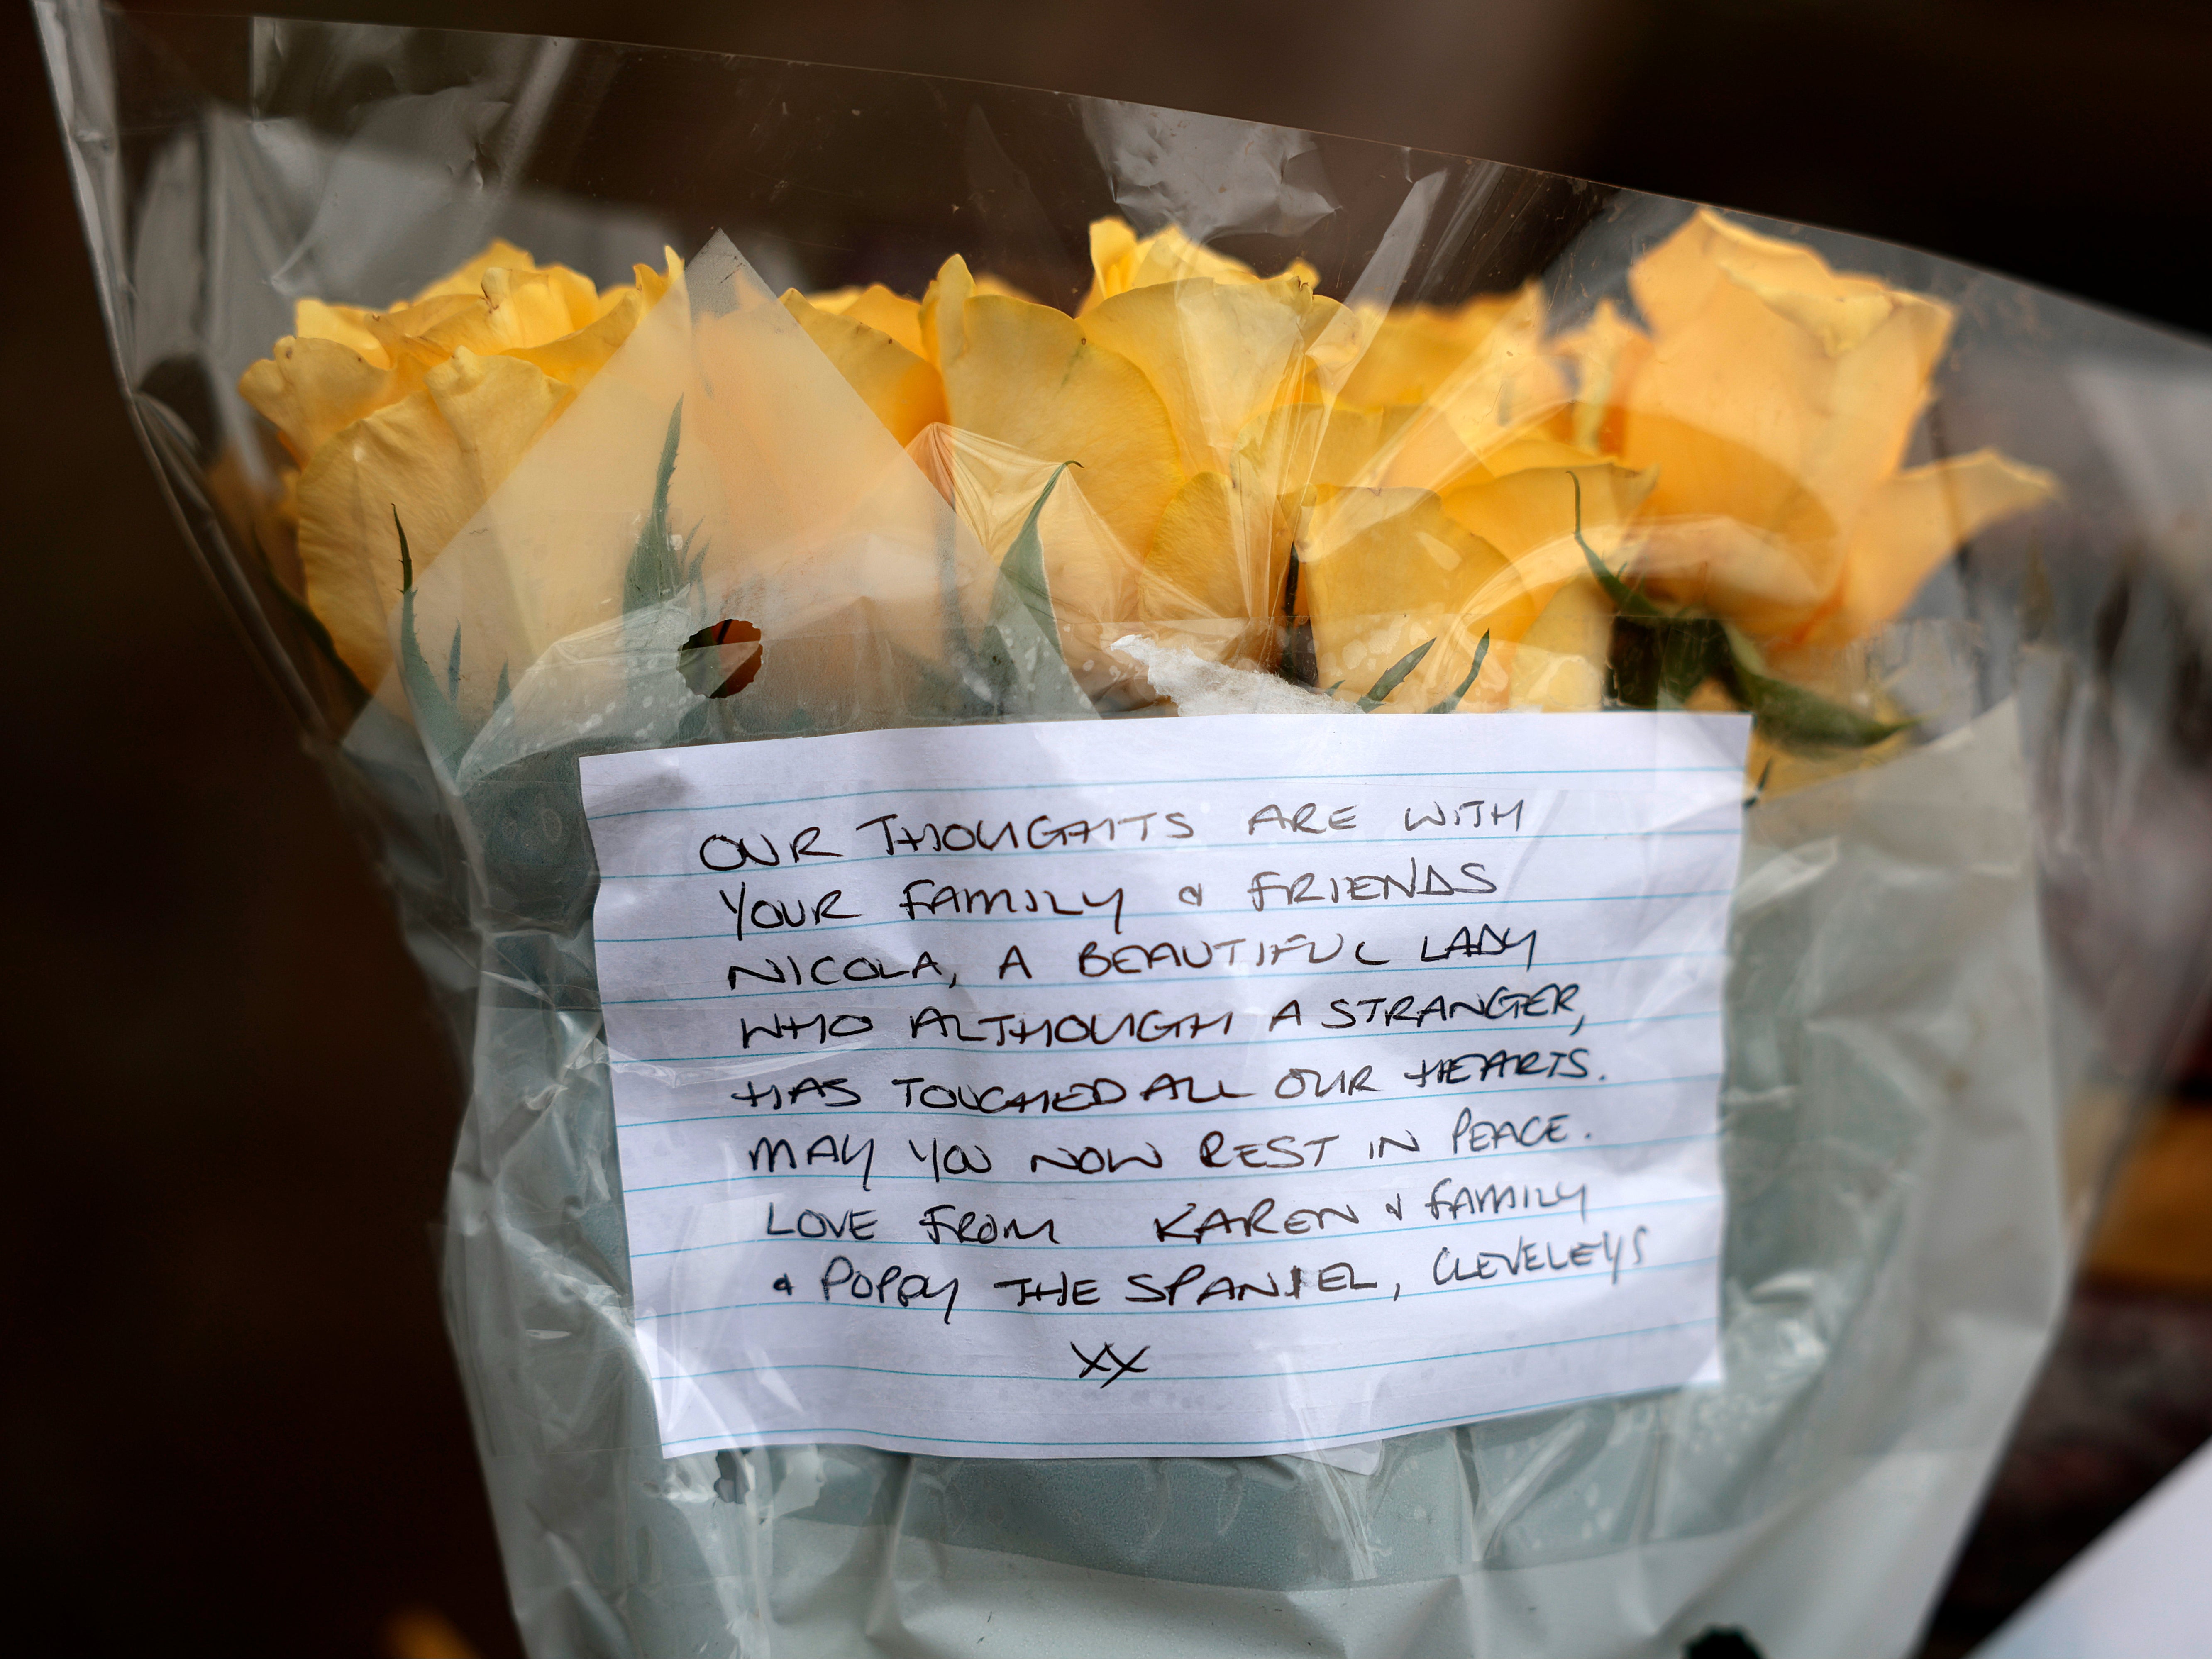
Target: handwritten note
column 1210, row 1086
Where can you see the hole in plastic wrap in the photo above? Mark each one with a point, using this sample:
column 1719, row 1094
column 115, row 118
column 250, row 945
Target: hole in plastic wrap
column 722, row 658
column 1722, row 1641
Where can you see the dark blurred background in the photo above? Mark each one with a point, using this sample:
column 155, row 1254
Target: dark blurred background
column 232, row 1421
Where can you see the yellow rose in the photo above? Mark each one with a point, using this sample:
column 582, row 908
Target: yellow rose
column 1217, row 416
column 1155, row 388
column 1775, row 398
column 1427, row 468
column 1494, row 552
column 423, row 408
column 1432, row 508
column 1120, row 261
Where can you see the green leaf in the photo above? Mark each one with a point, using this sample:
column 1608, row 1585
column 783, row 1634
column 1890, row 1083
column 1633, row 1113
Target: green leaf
column 1019, row 662
column 963, row 695
column 1658, row 662
column 1474, row 672
column 1745, row 650
column 696, row 545
column 1023, row 565
column 698, row 723
column 1629, row 600
column 1297, row 665
column 435, row 717
column 1632, row 668
column 1393, row 676
column 1019, row 665
column 1660, row 658
column 657, row 573
column 1692, row 650
column 1798, row 719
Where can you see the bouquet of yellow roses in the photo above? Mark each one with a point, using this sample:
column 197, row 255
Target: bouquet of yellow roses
column 965, row 407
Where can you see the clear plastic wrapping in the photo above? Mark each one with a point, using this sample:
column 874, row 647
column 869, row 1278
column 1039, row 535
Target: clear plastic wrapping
column 1943, row 534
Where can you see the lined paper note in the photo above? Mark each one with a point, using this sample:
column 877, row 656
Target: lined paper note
column 1213, row 1086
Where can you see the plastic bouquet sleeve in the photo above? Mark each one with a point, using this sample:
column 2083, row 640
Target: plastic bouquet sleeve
column 545, row 408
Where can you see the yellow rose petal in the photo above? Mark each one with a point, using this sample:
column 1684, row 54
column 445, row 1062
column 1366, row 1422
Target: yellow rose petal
column 1762, row 581
column 879, row 309
column 418, row 337
column 1607, row 352
column 1524, row 454
column 652, row 283
column 940, row 316
column 467, row 281
column 904, row 392
column 1826, row 403
column 1121, row 262
column 1300, row 445
column 1113, row 257
column 435, row 455
column 1214, row 578
column 1559, row 663
column 347, row 325
column 1911, row 523
column 1685, row 275
column 1296, row 445
column 313, row 388
column 1419, row 447
column 1382, row 572
column 1482, row 368
column 1411, row 353
column 986, row 283
column 573, row 359
column 1510, row 385
column 894, row 313
column 1170, row 255
column 1092, row 578
column 1023, row 375
column 1167, row 256
column 520, row 309
column 1216, row 353
column 1529, row 514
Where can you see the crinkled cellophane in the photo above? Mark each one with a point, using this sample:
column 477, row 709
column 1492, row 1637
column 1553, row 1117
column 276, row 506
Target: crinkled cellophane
column 1960, row 948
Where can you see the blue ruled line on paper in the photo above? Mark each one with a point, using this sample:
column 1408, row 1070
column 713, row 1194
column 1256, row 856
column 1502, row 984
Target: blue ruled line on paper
column 1303, row 779
column 1107, row 1112
column 1228, row 978
column 1207, row 1376
column 1159, row 1045
column 1016, row 1247
column 705, row 1309
column 1321, row 1302
column 1412, row 841
column 820, row 1431
column 1390, row 909
column 1217, row 1177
